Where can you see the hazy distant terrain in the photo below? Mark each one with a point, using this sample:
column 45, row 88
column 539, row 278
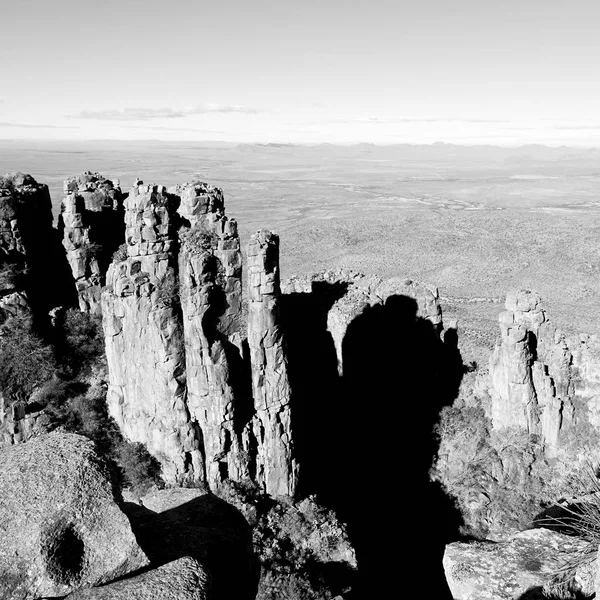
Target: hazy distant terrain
column 474, row 221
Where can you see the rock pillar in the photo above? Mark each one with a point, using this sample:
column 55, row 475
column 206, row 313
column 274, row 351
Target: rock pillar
column 144, row 339
column 92, row 223
column 276, row 467
column 210, row 265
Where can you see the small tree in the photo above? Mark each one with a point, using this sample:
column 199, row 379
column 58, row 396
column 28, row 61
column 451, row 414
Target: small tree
column 25, row 360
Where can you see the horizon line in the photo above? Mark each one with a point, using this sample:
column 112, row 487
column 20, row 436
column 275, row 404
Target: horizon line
column 438, row 143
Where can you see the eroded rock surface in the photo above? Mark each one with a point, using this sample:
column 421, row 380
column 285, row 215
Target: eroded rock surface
column 28, row 261
column 210, row 288
column 182, row 579
column 525, row 429
column 276, row 466
column 144, row 339
column 174, row 523
column 92, row 223
column 61, row 527
column 520, row 567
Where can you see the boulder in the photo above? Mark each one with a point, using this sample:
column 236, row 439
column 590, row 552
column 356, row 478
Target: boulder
column 61, row 527
column 175, row 523
column 183, row 579
column 520, row 567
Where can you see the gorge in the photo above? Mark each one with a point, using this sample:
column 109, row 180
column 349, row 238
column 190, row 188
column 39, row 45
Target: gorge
column 326, row 385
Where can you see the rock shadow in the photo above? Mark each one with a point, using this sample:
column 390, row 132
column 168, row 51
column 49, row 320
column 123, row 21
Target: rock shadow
column 314, row 381
column 365, row 438
column 207, row 529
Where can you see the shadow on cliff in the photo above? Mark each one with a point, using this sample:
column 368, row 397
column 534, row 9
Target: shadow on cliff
column 207, row 529
column 365, row 437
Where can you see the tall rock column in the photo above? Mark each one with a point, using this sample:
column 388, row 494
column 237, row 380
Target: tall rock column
column 276, row 466
column 144, row 339
column 210, row 264
column 92, row 222
column 529, row 380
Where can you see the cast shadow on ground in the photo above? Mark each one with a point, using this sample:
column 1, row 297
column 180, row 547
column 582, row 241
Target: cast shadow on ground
column 207, row 529
column 365, row 439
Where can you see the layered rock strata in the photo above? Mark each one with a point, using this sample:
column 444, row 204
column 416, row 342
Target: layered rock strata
column 276, row 466
column 92, row 223
column 147, row 393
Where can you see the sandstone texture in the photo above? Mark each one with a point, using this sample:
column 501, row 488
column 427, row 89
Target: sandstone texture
column 61, row 527
column 182, row 579
column 521, row 567
column 523, row 430
column 92, row 223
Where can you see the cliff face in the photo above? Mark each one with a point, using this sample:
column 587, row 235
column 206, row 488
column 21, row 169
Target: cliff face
column 176, row 344
column 147, row 393
column 210, row 264
column 92, row 223
column 533, row 422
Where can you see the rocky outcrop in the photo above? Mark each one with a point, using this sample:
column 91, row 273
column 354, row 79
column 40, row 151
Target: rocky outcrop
column 276, row 467
column 91, row 220
column 174, row 304
column 142, row 323
column 61, row 527
column 27, row 245
column 210, row 291
column 524, row 566
column 19, row 422
column 528, row 425
column 182, row 579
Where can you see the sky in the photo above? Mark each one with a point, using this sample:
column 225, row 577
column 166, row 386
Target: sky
column 505, row 72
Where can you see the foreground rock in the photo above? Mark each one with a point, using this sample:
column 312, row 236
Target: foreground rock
column 521, row 567
column 61, row 528
column 175, row 523
column 183, row 579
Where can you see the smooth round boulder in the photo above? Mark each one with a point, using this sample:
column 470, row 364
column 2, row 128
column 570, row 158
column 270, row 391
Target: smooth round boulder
column 61, row 527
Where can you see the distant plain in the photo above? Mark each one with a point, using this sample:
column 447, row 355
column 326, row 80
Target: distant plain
column 473, row 221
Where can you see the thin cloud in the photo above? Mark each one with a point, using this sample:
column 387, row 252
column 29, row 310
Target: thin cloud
column 379, row 121
column 158, row 128
column 30, row 126
column 577, row 127
column 147, row 114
